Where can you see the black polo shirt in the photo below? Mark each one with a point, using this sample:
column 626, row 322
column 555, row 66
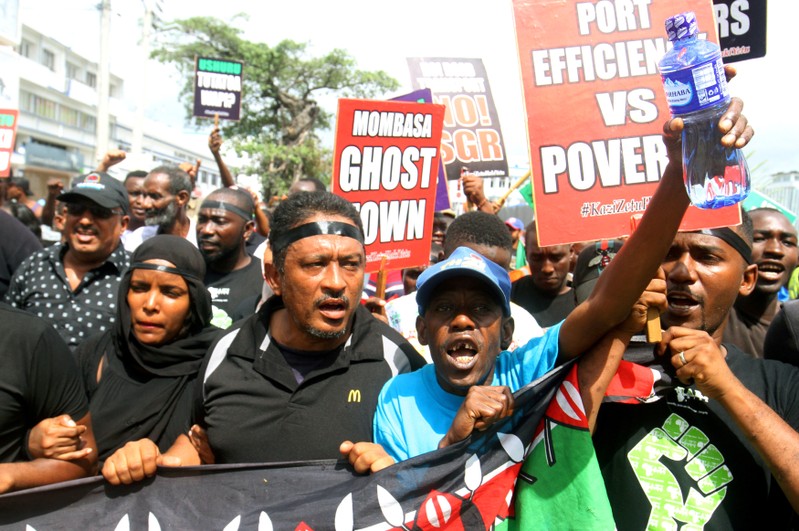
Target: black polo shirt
column 40, row 286
column 38, row 380
column 255, row 411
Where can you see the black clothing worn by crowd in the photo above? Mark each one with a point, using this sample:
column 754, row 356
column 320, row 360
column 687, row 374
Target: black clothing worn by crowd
column 546, row 309
column 147, row 391
column 40, row 286
column 782, row 338
column 17, row 243
column 255, row 410
column 682, row 459
column 228, row 290
column 748, row 332
column 38, row 380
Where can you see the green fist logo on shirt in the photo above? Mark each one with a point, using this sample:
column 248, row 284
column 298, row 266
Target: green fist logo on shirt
column 679, row 441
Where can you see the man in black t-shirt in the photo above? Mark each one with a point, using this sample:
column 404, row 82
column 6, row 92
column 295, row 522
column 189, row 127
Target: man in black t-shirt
column 301, row 376
column 545, row 292
column 718, row 449
column 39, row 380
column 224, row 223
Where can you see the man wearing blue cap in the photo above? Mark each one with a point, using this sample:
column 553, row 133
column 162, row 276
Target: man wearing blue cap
column 464, row 319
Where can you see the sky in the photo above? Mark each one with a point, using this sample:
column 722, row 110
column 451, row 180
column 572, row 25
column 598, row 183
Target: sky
column 380, row 36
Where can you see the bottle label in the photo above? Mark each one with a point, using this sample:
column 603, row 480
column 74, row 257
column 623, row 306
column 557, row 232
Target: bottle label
column 696, row 88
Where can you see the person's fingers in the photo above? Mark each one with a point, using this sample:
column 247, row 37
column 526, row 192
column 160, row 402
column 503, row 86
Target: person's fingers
column 109, row 472
column 346, row 447
column 122, row 467
column 384, row 462
column 168, row 460
column 75, row 455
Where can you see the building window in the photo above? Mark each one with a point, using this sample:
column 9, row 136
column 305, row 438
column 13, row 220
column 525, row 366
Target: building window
column 69, row 116
column 48, row 59
column 88, row 123
column 44, row 107
column 26, row 48
column 72, row 71
column 91, row 79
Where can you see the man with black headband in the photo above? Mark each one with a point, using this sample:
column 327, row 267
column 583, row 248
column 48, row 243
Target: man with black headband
column 224, row 223
column 302, row 375
column 719, row 447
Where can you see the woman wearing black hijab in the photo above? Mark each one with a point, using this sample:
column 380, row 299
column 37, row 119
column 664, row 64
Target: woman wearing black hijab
column 140, row 374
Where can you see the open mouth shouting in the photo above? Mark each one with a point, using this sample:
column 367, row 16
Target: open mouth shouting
column 462, row 352
column 770, row 271
column 682, row 302
column 333, row 308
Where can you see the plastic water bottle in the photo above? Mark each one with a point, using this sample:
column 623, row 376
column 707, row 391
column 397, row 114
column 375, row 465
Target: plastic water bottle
column 696, row 89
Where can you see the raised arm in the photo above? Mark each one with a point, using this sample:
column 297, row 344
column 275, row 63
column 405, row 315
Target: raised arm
column 597, row 367
column 215, row 144
column 625, row 278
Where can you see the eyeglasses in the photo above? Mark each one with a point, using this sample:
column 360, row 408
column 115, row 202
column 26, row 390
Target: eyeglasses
column 77, row 209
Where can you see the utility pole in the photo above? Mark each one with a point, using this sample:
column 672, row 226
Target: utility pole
column 103, row 81
column 137, row 145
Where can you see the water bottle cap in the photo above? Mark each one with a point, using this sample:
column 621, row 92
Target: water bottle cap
column 681, row 26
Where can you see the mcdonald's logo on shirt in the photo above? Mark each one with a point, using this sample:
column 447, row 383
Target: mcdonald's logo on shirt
column 354, row 395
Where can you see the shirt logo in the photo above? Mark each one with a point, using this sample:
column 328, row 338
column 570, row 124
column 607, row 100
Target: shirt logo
column 354, row 396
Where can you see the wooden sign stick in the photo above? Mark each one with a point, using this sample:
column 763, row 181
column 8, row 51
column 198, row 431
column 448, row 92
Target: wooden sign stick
column 653, row 332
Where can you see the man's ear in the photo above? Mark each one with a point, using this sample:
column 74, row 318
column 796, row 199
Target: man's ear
column 506, row 333
column 421, row 330
column 249, row 227
column 182, row 198
column 123, row 222
column 272, row 277
column 748, row 281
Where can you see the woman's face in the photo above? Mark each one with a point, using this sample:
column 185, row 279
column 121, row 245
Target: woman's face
column 159, row 304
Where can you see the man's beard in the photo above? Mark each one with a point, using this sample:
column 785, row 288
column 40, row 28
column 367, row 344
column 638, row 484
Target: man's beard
column 331, row 334
column 164, row 218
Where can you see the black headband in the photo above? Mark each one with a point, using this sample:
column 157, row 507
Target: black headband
column 228, row 207
column 733, row 239
column 316, row 228
column 164, row 269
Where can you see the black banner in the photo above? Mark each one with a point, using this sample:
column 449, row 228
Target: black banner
column 465, row 486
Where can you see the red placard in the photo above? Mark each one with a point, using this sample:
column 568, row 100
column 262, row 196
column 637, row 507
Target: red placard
column 595, row 109
column 8, row 133
column 386, row 164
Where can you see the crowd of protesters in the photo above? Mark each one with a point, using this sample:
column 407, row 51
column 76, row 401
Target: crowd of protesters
column 155, row 332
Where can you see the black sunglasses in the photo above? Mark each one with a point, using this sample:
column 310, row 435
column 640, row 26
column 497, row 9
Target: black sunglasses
column 76, row 209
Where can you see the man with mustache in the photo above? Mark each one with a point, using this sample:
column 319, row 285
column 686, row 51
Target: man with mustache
column 224, row 223
column 303, row 374
column 775, row 252
column 73, row 285
column 715, row 445
column 167, row 191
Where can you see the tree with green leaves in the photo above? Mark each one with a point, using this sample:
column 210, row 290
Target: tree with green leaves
column 280, row 117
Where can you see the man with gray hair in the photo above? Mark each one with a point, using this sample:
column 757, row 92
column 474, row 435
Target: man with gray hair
column 167, row 191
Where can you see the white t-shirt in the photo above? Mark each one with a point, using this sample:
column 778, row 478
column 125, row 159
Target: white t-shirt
column 133, row 239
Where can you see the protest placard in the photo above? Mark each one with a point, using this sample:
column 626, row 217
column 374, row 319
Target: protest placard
column 442, row 194
column 8, row 132
column 472, row 136
column 217, row 88
column 385, row 162
column 595, row 108
column 742, row 29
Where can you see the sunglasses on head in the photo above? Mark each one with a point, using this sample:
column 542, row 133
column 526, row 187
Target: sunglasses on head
column 76, row 209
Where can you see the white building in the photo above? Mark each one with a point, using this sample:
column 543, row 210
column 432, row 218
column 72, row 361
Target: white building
column 56, row 93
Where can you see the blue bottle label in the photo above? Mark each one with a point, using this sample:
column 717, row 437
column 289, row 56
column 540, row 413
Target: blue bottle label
column 696, row 88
